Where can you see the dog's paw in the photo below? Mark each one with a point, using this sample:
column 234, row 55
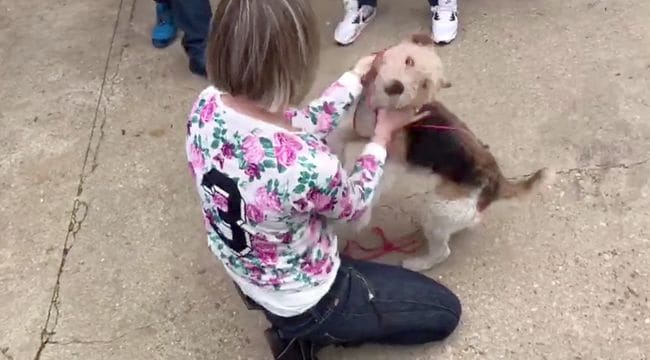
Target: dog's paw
column 420, row 263
column 426, row 262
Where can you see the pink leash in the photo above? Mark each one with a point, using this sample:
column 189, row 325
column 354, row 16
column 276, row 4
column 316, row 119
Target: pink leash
column 385, row 248
column 438, row 127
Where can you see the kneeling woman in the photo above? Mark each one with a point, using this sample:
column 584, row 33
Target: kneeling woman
column 270, row 189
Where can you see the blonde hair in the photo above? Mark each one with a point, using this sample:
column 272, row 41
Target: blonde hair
column 264, row 50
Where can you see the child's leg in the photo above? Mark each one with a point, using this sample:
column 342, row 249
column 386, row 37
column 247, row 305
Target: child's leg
column 193, row 17
column 358, row 14
column 444, row 20
column 164, row 32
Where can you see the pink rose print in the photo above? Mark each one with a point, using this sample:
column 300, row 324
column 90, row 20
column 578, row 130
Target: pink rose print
column 286, row 148
column 324, row 241
column 368, row 162
column 220, row 201
column 275, row 282
column 254, row 214
column 324, row 122
column 228, row 150
column 301, row 204
column 253, row 151
column 336, row 180
column 328, row 268
column 314, row 225
column 266, row 251
column 196, row 158
column 208, row 220
column 358, row 214
column 253, row 171
column 269, row 201
column 329, row 108
column 252, row 271
column 287, row 238
column 318, row 145
column 346, row 204
column 218, row 158
column 290, row 114
column 207, row 113
column 317, row 267
column 320, row 201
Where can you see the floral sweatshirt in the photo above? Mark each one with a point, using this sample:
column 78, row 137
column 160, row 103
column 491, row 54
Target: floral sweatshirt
column 266, row 194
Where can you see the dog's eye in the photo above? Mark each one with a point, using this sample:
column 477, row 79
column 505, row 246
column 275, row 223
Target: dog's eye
column 425, row 84
column 409, row 61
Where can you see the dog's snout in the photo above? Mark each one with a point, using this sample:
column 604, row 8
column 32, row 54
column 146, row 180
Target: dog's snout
column 394, row 88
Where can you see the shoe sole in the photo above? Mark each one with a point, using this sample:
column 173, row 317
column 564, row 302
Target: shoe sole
column 356, row 36
column 161, row 44
column 445, row 41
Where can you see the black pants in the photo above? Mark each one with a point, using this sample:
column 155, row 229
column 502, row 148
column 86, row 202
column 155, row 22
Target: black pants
column 376, row 303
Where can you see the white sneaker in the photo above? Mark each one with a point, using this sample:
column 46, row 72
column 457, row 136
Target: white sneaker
column 445, row 21
column 355, row 20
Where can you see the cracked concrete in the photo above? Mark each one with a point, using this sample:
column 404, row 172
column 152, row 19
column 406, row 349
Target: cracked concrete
column 103, row 255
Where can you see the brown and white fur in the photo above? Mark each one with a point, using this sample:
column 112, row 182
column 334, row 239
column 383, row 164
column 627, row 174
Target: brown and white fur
column 452, row 176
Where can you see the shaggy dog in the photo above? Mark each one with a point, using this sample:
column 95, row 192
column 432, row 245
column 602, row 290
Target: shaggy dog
column 453, row 177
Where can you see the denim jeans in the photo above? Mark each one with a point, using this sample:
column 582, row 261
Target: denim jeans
column 193, row 18
column 375, row 303
column 373, row 3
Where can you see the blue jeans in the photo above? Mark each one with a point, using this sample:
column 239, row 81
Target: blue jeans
column 373, row 3
column 193, row 18
column 375, row 303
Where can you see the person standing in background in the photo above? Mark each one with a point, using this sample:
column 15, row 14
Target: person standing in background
column 193, row 18
column 359, row 13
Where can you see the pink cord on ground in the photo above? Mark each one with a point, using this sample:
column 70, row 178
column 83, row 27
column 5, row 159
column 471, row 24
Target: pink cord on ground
column 385, row 248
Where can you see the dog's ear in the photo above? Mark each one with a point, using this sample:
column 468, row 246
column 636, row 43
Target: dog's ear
column 422, row 39
column 436, row 84
column 371, row 74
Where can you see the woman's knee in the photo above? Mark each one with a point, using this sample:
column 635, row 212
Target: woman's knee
column 453, row 303
column 447, row 326
column 440, row 325
column 449, row 313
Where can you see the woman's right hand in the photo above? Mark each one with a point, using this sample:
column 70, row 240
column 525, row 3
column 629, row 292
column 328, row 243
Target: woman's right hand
column 388, row 122
column 363, row 65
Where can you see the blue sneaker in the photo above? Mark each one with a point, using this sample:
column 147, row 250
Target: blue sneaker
column 164, row 33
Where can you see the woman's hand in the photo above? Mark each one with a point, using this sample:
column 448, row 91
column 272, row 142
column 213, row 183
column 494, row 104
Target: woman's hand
column 363, row 65
column 388, row 122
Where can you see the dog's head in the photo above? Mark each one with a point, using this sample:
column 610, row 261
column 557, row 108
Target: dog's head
column 409, row 74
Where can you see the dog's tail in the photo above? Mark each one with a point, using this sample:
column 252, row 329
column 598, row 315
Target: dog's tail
column 519, row 189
